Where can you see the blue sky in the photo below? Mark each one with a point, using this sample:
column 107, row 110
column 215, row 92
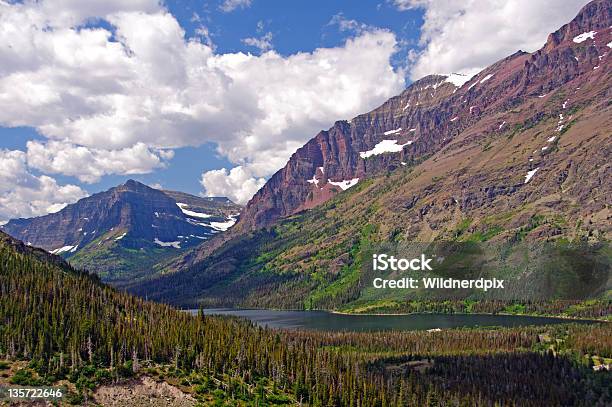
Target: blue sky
column 296, row 26
column 213, row 97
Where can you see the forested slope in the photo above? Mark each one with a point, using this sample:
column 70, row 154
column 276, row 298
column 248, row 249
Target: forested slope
column 68, row 325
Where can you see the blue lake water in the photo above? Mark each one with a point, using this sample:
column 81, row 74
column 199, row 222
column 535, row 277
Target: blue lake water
column 327, row 321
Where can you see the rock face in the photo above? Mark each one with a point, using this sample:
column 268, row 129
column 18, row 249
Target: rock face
column 518, row 153
column 131, row 209
column 131, row 216
column 428, row 115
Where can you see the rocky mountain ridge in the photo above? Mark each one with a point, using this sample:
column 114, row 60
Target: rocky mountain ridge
column 426, row 117
column 131, row 217
column 517, row 153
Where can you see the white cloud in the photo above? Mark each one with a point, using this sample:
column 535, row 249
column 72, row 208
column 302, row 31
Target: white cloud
column 23, row 194
column 90, row 164
column 231, row 5
column 237, row 184
column 114, row 102
column 466, row 36
column 346, row 24
column 263, row 43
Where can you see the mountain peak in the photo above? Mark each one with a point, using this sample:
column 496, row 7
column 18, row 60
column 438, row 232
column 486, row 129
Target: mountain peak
column 431, row 113
column 133, row 185
column 595, row 16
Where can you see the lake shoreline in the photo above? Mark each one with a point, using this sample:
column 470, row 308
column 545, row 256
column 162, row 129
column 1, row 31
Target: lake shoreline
column 471, row 313
column 338, row 321
column 551, row 316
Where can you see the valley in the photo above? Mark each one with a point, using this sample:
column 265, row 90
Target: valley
column 515, row 157
column 450, row 247
column 148, row 349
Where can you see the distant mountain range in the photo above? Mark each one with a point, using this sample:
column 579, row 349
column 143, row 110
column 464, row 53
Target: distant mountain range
column 123, row 232
column 519, row 152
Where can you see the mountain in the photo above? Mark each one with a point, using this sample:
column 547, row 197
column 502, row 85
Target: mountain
column 520, row 152
column 430, row 115
column 121, row 233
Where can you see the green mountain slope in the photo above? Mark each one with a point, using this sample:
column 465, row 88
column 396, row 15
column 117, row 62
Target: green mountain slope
column 59, row 326
column 474, row 190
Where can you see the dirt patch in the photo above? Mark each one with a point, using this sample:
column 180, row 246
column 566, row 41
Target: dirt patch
column 143, row 391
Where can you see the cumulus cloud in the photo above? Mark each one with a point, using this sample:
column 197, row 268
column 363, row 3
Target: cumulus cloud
column 263, row 43
column 236, row 184
column 347, row 24
column 63, row 158
column 466, row 36
column 23, row 194
column 231, row 5
column 115, row 100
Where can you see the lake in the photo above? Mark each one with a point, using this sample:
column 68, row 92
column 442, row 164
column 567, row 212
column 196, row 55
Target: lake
column 327, row 321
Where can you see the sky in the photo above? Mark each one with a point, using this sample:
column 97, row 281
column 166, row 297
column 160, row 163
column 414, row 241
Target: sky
column 213, row 97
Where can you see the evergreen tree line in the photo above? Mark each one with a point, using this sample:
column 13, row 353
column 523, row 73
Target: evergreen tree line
column 64, row 320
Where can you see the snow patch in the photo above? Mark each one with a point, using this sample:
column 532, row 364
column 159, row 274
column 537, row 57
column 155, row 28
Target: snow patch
column 346, row 184
column 386, row 133
column 584, row 36
column 437, row 85
column 62, row 249
column 176, row 245
column 313, row 180
column 551, row 139
column 542, row 96
column 486, row 78
column 223, row 226
column 385, row 146
column 454, row 118
column 121, row 236
column 193, row 214
column 530, row 175
column 74, row 249
column 458, row 79
column 501, row 125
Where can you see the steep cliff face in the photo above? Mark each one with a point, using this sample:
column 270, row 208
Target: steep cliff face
column 103, row 231
column 427, row 116
column 337, row 159
column 520, row 152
